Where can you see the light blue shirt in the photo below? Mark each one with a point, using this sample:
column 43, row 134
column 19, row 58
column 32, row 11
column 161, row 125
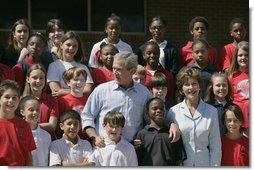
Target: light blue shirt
column 110, row 96
column 200, row 133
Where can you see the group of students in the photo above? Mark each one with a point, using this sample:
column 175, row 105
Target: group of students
column 58, row 112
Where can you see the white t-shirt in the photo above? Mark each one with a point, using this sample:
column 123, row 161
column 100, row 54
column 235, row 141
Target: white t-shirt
column 121, row 46
column 65, row 150
column 42, row 140
column 57, row 69
column 120, row 154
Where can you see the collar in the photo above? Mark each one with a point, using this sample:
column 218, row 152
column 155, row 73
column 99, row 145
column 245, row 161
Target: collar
column 152, row 129
column 69, row 143
column 110, row 142
column 207, row 68
column 163, row 44
column 119, row 43
column 185, row 110
column 117, row 86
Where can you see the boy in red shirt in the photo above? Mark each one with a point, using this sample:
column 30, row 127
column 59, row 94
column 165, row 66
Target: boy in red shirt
column 238, row 33
column 198, row 28
column 75, row 78
column 16, row 138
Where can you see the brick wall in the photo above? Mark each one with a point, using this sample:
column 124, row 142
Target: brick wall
column 219, row 13
column 177, row 14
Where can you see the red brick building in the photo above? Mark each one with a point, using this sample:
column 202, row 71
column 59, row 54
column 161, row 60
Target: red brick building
column 86, row 14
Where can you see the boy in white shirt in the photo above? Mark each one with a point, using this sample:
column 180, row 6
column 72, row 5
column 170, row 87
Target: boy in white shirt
column 118, row 151
column 70, row 150
column 29, row 109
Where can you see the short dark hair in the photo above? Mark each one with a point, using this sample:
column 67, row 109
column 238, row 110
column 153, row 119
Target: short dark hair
column 159, row 18
column 25, row 99
column 202, row 41
column 9, row 84
column 22, row 104
column 113, row 17
column 198, row 19
column 236, row 20
column 157, row 80
column 41, row 36
column 69, row 114
column 114, row 119
column 152, row 99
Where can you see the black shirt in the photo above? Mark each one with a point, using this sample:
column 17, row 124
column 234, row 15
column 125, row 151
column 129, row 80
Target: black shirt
column 156, row 149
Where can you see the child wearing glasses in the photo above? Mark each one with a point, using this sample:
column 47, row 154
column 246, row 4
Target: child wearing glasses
column 118, row 151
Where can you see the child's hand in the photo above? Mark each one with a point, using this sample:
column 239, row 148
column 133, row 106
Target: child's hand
column 136, row 143
column 54, row 50
column 23, row 54
column 99, row 142
column 59, row 92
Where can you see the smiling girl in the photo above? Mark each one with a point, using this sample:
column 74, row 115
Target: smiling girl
column 238, row 75
column 70, row 53
column 35, row 85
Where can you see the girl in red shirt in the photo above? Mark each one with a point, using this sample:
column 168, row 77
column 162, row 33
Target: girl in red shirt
column 235, row 146
column 238, row 75
column 36, row 85
column 105, row 72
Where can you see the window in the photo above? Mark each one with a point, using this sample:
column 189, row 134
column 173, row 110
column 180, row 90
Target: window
column 72, row 13
column 11, row 11
column 131, row 13
column 79, row 15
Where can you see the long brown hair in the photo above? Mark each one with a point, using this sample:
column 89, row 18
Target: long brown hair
column 209, row 92
column 27, row 90
column 244, row 45
column 238, row 114
column 12, row 44
column 72, row 35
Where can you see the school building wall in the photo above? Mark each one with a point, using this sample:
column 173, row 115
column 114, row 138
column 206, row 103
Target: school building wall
column 177, row 14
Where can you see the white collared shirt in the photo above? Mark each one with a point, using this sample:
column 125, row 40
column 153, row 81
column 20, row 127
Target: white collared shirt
column 65, row 150
column 162, row 46
column 120, row 154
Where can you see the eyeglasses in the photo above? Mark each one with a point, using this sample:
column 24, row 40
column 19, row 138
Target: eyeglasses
column 113, row 128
